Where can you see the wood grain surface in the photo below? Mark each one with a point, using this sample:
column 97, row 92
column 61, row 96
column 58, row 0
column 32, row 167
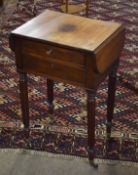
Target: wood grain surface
column 68, row 30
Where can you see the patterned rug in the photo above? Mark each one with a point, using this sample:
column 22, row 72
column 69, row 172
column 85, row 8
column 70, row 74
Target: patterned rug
column 65, row 132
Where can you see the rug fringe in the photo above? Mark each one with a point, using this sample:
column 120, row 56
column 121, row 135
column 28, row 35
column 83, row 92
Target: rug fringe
column 69, row 157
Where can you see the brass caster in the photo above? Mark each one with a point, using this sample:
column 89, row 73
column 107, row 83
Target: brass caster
column 50, row 108
column 109, row 124
column 93, row 164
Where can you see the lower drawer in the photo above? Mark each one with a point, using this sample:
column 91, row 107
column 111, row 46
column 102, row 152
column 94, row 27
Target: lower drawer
column 56, row 71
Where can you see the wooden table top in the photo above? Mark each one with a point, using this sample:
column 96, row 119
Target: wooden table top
column 69, row 30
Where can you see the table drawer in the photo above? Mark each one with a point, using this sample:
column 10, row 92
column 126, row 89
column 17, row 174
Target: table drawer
column 54, row 70
column 52, row 53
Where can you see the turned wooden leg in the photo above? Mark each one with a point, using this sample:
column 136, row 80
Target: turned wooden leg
column 1, row 2
column 91, row 125
column 24, row 98
column 67, row 3
column 50, row 85
column 87, row 7
column 111, row 99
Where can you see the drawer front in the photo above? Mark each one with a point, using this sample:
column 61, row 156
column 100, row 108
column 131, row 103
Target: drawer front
column 54, row 54
column 55, row 71
column 54, row 62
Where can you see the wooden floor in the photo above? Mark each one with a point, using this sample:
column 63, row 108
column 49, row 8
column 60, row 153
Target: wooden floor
column 12, row 163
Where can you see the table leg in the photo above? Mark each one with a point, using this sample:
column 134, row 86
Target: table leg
column 1, row 2
column 67, row 3
column 24, row 98
column 87, row 7
column 91, row 124
column 111, row 99
column 50, row 95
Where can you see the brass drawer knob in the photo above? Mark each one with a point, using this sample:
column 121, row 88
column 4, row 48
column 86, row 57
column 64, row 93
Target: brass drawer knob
column 49, row 52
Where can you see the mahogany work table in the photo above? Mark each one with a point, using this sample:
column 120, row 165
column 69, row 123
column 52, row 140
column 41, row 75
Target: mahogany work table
column 71, row 49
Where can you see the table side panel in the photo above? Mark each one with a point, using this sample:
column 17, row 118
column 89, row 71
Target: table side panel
column 110, row 51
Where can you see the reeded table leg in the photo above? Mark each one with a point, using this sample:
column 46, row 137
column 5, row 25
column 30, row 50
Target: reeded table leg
column 1, row 2
column 87, row 7
column 111, row 99
column 91, row 125
column 50, row 84
column 24, row 98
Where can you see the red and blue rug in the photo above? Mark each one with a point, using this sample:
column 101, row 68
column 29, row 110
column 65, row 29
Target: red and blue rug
column 65, row 132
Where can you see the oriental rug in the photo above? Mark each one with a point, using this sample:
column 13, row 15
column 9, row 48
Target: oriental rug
column 65, row 132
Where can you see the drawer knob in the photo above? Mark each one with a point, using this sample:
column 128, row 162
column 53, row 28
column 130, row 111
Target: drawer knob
column 48, row 52
column 52, row 66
